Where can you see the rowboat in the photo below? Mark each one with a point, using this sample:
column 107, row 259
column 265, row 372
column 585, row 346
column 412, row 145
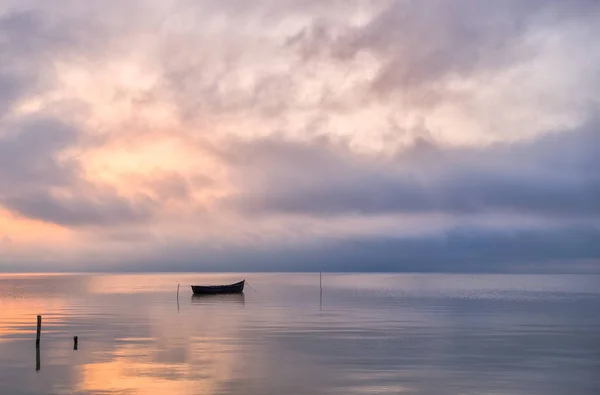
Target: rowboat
column 219, row 289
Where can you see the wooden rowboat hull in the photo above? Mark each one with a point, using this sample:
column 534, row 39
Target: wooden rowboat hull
column 218, row 289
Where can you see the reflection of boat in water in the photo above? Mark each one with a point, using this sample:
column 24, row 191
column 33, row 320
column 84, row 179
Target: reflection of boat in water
column 218, row 289
column 238, row 298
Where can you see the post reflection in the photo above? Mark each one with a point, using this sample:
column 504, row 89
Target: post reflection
column 37, row 358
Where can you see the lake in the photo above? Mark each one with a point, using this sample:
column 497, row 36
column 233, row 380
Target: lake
column 363, row 334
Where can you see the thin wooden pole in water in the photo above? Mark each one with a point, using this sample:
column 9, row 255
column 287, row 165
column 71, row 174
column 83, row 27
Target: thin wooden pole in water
column 39, row 330
column 37, row 343
column 75, row 342
column 321, row 280
column 178, row 297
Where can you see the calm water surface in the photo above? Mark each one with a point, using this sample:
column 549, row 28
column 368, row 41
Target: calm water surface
column 365, row 334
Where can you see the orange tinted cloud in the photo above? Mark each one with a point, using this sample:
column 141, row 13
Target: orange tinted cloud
column 22, row 230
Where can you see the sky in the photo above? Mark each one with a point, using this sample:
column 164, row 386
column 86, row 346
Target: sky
column 292, row 135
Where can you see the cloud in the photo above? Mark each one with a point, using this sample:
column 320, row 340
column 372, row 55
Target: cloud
column 308, row 124
column 98, row 209
column 424, row 42
column 471, row 72
column 567, row 249
column 36, row 182
column 30, row 44
column 5, row 240
column 28, row 154
column 554, row 176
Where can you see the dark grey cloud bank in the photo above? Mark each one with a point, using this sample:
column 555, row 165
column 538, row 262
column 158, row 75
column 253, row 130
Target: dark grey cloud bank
column 567, row 249
column 554, row 176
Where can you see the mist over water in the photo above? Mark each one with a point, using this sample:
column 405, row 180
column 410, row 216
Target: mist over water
column 364, row 334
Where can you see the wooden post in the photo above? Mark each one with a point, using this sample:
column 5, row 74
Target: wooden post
column 75, row 343
column 321, row 280
column 39, row 330
column 37, row 343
